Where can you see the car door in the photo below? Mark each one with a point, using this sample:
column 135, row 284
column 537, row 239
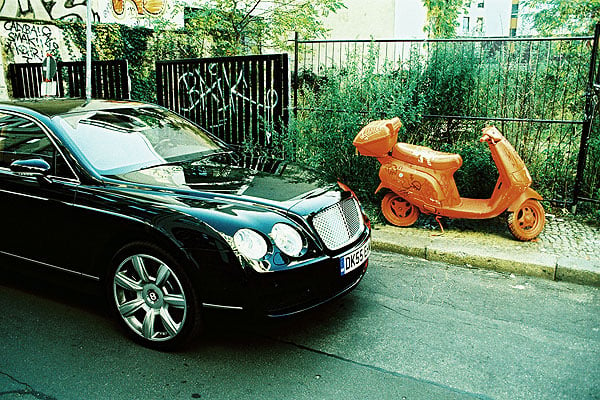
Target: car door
column 35, row 210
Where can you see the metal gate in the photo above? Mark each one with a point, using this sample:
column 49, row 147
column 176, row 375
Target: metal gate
column 110, row 79
column 537, row 89
column 241, row 100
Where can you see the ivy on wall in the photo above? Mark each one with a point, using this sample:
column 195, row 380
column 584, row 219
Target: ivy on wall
column 141, row 47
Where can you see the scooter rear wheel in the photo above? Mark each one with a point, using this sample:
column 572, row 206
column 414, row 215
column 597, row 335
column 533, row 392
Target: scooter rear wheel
column 398, row 211
column 528, row 221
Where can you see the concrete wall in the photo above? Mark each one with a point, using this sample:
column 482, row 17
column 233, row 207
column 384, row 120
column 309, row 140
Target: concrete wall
column 27, row 33
column 410, row 19
column 127, row 12
column 22, row 41
column 378, row 19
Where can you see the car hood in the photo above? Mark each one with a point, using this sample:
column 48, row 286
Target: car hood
column 279, row 185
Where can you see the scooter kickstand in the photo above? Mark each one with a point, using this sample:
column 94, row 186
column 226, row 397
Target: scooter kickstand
column 438, row 218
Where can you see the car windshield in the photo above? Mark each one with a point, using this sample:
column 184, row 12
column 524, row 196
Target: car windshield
column 122, row 140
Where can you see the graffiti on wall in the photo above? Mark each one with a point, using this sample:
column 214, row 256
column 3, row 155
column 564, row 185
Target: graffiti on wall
column 224, row 92
column 71, row 10
column 128, row 12
column 141, row 6
column 30, row 42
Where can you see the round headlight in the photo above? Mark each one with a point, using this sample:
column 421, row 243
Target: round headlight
column 287, row 239
column 250, row 244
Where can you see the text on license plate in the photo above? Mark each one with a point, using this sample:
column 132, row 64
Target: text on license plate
column 355, row 259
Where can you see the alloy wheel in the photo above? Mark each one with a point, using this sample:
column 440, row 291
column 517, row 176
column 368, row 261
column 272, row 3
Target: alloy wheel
column 150, row 298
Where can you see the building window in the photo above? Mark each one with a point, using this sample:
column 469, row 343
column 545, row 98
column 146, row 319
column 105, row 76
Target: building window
column 479, row 26
column 513, row 32
column 465, row 25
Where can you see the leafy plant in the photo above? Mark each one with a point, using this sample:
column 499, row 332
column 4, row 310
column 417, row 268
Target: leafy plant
column 337, row 102
column 237, row 27
column 559, row 16
column 442, row 16
column 140, row 46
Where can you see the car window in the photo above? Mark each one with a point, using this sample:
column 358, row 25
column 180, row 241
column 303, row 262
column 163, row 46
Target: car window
column 123, row 140
column 21, row 138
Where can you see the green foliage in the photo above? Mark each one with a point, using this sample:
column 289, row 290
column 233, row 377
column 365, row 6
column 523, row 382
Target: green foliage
column 461, row 81
column 323, row 137
column 141, row 47
column 557, row 17
column 237, row 27
column 478, row 175
column 442, row 17
column 591, row 186
column 446, row 83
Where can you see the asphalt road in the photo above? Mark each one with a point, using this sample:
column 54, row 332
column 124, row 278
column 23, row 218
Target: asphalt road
column 413, row 329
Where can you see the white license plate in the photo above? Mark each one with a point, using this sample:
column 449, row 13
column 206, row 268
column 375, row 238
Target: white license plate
column 355, row 259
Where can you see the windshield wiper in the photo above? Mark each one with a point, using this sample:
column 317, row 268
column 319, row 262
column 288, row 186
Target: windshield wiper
column 197, row 160
column 209, row 155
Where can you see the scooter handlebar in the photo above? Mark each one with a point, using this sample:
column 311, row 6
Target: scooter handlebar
column 491, row 134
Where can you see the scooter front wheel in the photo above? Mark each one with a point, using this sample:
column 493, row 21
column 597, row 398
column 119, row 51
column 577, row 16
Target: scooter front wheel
column 398, row 211
column 528, row 221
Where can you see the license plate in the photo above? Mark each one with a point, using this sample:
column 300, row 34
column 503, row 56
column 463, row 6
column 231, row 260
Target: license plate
column 355, row 259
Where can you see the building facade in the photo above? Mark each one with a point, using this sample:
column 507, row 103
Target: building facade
column 405, row 19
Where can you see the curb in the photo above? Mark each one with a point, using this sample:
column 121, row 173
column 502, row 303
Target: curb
column 486, row 252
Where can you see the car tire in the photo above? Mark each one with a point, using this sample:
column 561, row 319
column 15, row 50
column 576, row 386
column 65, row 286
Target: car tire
column 152, row 297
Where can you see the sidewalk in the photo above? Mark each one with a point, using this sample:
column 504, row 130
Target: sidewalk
column 566, row 250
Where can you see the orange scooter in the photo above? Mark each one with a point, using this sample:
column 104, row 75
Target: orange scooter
column 422, row 180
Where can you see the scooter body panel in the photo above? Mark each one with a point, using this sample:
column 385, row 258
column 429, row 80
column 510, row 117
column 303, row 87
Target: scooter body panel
column 429, row 190
column 424, row 178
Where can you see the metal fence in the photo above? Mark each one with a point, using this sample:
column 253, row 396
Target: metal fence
column 537, row 90
column 242, row 100
column 110, row 79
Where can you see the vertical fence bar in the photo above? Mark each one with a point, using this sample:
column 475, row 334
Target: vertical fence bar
column 125, row 84
column 160, row 91
column 59, row 80
column 285, row 93
column 587, row 122
column 295, row 82
column 110, row 79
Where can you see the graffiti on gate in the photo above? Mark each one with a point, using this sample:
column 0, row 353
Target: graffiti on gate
column 47, row 10
column 30, row 42
column 218, row 87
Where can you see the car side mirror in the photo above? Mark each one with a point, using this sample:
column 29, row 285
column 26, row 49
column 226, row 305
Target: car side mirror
column 32, row 167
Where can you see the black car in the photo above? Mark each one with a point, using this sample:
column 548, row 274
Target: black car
column 168, row 219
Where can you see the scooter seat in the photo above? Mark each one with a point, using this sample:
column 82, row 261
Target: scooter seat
column 426, row 157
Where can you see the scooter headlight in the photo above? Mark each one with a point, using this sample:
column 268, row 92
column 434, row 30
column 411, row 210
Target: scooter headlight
column 287, row 239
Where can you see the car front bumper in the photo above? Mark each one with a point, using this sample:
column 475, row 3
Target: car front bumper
column 288, row 292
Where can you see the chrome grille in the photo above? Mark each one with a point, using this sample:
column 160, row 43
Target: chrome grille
column 339, row 224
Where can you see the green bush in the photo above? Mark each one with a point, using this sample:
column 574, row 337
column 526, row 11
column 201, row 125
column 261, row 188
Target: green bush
column 478, row 175
column 534, row 81
column 140, row 46
column 322, row 136
column 341, row 101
